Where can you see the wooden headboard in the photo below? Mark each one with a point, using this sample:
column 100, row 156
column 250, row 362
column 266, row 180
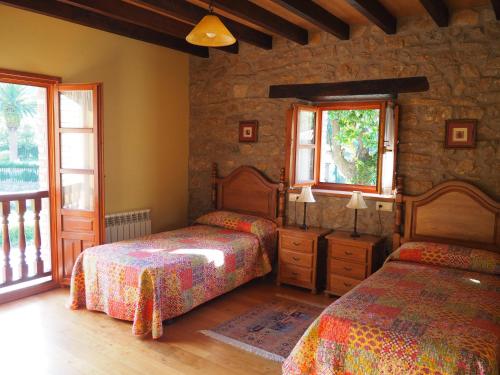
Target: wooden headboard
column 248, row 191
column 454, row 212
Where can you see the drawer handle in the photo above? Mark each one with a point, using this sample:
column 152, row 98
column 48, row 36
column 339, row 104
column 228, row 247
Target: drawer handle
column 348, row 268
column 295, row 243
column 348, row 252
column 347, row 284
column 296, row 259
column 295, row 274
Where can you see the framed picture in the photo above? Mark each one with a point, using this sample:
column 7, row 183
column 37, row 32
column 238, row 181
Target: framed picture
column 248, row 131
column 460, row 134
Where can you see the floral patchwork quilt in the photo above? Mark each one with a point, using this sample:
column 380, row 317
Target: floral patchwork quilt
column 432, row 309
column 158, row 277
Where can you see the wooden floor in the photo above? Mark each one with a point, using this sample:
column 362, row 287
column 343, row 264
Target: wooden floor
column 38, row 335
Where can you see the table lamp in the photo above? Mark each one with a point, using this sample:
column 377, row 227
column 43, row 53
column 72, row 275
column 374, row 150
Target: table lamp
column 356, row 203
column 305, row 197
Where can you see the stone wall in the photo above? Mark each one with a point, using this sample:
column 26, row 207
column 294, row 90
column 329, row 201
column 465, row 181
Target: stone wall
column 462, row 63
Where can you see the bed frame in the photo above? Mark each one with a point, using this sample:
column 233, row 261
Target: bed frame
column 249, row 191
column 453, row 212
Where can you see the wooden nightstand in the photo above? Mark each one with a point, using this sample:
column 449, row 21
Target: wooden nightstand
column 351, row 260
column 302, row 255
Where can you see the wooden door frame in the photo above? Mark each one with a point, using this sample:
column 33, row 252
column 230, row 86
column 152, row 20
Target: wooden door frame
column 98, row 171
column 49, row 83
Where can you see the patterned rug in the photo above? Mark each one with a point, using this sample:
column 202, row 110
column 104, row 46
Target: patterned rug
column 270, row 330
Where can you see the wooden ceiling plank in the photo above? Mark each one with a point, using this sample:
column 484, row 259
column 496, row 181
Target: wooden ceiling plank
column 255, row 14
column 126, row 12
column 496, row 8
column 438, row 10
column 84, row 17
column 192, row 14
column 318, row 16
column 376, row 13
column 314, row 91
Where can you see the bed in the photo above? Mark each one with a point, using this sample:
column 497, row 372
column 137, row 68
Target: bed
column 161, row 276
column 433, row 308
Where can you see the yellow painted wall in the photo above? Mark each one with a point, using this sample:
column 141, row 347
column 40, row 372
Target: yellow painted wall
column 146, row 105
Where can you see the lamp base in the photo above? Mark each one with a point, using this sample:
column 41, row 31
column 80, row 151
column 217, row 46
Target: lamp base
column 355, row 235
column 304, row 225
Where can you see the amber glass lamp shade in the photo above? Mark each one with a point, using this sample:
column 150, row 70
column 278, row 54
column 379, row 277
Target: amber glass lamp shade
column 211, row 32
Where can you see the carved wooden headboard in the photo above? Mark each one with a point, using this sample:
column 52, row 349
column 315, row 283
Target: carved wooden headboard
column 454, row 212
column 248, row 191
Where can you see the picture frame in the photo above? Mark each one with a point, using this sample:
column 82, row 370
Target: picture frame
column 248, row 131
column 460, row 133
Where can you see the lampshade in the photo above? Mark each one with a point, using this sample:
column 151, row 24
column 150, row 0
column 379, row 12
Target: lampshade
column 357, row 201
column 306, row 195
column 210, row 32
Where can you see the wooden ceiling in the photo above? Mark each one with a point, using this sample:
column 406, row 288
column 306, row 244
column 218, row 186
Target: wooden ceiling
column 167, row 22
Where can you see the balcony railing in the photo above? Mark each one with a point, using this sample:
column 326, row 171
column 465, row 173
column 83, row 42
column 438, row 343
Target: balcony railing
column 22, row 270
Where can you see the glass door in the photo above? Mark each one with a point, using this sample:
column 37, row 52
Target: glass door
column 78, row 169
column 28, row 260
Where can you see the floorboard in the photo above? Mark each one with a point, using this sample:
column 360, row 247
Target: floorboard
column 40, row 335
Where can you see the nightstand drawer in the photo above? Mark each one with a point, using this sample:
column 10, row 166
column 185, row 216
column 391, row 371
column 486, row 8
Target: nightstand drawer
column 350, row 253
column 340, row 285
column 297, row 244
column 298, row 259
column 293, row 273
column 347, row 269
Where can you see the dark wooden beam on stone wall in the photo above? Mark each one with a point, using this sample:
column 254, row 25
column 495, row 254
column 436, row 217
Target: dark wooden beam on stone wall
column 262, row 17
column 318, row 16
column 192, row 14
column 84, row 17
column 496, row 8
column 437, row 10
column 376, row 13
column 120, row 10
column 328, row 91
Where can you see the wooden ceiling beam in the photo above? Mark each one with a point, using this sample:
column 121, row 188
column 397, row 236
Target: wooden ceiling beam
column 318, row 16
column 253, row 13
column 192, row 14
column 376, row 13
column 496, row 7
column 328, row 91
column 84, row 17
column 120, row 10
column 438, row 10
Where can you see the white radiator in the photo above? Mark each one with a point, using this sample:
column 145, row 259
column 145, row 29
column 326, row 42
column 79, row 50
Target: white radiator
column 127, row 225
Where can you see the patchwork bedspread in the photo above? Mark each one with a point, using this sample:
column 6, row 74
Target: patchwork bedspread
column 167, row 274
column 424, row 312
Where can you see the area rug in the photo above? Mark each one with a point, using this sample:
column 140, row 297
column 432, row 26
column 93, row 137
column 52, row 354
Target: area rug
column 269, row 330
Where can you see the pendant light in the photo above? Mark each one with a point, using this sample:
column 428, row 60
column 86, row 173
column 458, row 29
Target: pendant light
column 211, row 32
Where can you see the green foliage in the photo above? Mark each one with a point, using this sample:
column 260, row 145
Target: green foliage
column 14, row 104
column 4, row 156
column 19, row 171
column 357, row 138
column 4, row 138
column 27, row 148
column 29, row 232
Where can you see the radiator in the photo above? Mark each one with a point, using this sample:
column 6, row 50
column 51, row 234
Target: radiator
column 127, row 225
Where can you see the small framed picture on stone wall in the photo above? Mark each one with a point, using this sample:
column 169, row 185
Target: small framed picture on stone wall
column 248, row 131
column 460, row 134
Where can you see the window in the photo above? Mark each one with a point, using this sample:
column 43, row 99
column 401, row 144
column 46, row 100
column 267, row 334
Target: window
column 50, row 179
column 344, row 146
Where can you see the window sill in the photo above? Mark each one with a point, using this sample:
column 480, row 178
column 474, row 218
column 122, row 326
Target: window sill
column 346, row 194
